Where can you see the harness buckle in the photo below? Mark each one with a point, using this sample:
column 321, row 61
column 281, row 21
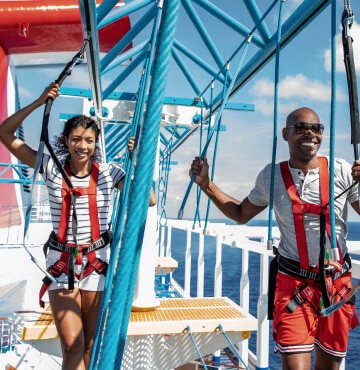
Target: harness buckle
column 57, row 268
column 301, row 295
column 295, row 301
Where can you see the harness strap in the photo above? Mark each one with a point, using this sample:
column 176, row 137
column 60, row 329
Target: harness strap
column 299, row 207
column 292, row 268
column 69, row 193
column 53, row 243
column 66, row 262
column 61, row 266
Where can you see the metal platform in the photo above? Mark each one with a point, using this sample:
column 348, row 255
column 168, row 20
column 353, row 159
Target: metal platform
column 201, row 314
column 172, row 317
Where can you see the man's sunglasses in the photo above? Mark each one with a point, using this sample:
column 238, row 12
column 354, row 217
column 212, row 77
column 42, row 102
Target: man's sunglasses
column 302, row 127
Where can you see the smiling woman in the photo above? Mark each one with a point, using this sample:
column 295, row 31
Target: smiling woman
column 78, row 249
column 79, row 138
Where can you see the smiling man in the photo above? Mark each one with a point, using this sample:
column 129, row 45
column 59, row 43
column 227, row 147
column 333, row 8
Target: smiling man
column 300, row 199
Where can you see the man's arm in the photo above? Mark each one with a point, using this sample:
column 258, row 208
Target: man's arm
column 240, row 212
column 355, row 172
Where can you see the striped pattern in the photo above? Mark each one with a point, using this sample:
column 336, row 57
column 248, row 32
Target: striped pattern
column 109, row 177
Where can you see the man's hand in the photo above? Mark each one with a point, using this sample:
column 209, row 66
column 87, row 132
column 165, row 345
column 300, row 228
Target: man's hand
column 200, row 168
column 355, row 171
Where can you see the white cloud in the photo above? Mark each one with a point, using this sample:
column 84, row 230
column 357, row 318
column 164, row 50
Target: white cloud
column 266, row 107
column 298, row 86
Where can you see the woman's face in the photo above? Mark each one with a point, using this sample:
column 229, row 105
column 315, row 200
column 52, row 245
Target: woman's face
column 81, row 144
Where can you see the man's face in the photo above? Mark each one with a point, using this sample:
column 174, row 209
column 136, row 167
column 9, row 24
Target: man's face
column 304, row 135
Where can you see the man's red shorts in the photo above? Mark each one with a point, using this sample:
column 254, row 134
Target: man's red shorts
column 298, row 331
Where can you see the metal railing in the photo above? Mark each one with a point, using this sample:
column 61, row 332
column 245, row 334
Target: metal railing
column 192, row 244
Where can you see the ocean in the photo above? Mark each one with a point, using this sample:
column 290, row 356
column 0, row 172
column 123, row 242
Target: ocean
column 231, row 259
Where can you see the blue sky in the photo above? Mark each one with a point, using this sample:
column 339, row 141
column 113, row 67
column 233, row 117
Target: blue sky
column 246, row 145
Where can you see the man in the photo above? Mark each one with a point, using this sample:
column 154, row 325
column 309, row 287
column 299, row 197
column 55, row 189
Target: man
column 302, row 185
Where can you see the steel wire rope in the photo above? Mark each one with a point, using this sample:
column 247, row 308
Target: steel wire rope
column 232, row 346
column 198, row 191
column 163, row 183
column 153, row 117
column 209, row 119
column 122, row 205
column 241, row 45
column 188, row 330
column 216, row 148
column 244, row 45
column 334, row 27
column 111, row 351
column 324, row 299
column 275, row 125
column 217, row 119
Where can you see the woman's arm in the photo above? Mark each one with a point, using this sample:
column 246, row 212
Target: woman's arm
column 8, row 128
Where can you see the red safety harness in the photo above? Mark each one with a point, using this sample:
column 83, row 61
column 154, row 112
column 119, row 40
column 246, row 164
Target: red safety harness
column 299, row 208
column 70, row 251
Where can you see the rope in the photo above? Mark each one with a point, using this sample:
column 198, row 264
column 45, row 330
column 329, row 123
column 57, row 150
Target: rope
column 324, row 299
column 112, row 348
column 163, row 182
column 347, row 21
column 217, row 119
column 188, row 330
column 334, row 250
column 119, row 214
column 198, row 192
column 210, row 117
column 216, row 145
column 276, row 110
column 245, row 45
column 232, row 346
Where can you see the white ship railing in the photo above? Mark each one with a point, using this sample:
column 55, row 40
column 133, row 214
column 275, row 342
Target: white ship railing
column 247, row 239
column 12, row 224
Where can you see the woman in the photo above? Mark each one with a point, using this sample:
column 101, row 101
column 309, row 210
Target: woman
column 75, row 301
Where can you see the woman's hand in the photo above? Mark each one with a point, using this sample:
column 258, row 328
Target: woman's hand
column 131, row 144
column 52, row 92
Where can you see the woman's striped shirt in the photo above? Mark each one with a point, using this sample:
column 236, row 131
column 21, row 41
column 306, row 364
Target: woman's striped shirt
column 109, row 178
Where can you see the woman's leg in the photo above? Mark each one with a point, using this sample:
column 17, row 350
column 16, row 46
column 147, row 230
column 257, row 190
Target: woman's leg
column 66, row 309
column 90, row 306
